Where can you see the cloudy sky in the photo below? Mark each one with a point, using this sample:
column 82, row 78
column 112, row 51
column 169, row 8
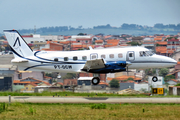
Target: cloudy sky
column 25, row 14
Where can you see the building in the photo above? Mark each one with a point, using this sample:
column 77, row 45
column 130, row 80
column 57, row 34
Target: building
column 85, row 39
column 84, row 80
column 19, row 75
column 125, row 78
column 7, row 71
column 173, row 44
column 172, row 82
column 53, row 46
column 28, row 88
column 33, row 39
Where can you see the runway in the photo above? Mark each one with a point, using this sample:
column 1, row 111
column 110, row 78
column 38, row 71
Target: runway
column 50, row 99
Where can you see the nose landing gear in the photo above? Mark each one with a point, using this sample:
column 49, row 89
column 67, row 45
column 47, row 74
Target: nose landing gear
column 154, row 79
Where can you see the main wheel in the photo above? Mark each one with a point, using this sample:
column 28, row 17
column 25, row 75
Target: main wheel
column 154, row 79
column 95, row 81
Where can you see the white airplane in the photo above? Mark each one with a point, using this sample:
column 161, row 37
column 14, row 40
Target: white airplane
column 94, row 61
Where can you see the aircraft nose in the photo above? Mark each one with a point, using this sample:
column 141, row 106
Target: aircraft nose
column 174, row 61
column 171, row 61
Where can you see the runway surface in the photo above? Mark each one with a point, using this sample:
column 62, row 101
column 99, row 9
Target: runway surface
column 50, row 99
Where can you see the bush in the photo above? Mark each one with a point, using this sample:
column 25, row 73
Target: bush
column 3, row 107
column 98, row 106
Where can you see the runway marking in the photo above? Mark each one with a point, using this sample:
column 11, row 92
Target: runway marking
column 21, row 97
column 97, row 98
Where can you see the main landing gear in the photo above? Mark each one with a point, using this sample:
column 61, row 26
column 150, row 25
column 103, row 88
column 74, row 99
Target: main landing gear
column 96, row 79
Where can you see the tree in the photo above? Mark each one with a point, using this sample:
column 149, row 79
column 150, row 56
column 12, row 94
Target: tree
column 134, row 43
column 114, row 83
column 163, row 72
column 169, row 77
column 130, row 78
column 70, row 76
column 80, row 34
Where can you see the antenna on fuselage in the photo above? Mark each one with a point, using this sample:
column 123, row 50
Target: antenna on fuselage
column 90, row 48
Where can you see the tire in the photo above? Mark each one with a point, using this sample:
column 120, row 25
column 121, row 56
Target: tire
column 95, row 81
column 154, row 79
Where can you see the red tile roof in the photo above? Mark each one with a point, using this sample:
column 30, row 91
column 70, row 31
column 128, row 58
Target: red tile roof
column 26, row 82
column 99, row 41
column 31, row 84
column 124, row 77
column 162, row 43
column 59, row 83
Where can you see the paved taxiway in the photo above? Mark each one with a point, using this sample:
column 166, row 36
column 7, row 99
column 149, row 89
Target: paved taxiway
column 49, row 99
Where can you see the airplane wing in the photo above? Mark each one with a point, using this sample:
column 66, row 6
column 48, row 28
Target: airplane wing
column 101, row 66
column 18, row 60
column 94, row 64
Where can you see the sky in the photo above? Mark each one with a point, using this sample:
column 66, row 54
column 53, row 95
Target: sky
column 25, row 14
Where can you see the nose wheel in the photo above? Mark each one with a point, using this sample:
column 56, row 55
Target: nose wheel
column 154, row 79
column 95, row 80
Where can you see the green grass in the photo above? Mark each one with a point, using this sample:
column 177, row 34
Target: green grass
column 46, row 111
column 66, row 93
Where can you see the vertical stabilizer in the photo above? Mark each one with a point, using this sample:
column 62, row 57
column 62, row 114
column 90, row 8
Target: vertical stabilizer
column 18, row 44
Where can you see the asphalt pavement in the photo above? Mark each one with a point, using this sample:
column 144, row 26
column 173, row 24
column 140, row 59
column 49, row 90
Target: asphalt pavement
column 56, row 99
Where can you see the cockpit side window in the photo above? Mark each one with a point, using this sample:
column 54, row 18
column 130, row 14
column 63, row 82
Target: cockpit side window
column 141, row 53
column 145, row 53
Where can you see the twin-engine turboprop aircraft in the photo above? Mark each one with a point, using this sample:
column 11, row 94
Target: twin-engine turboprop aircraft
column 94, row 61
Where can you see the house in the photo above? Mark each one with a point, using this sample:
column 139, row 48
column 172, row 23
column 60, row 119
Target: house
column 102, row 76
column 53, row 46
column 111, row 43
column 162, row 50
column 124, row 78
column 172, row 82
column 69, row 82
column 85, row 39
column 58, row 84
column 29, row 80
column 158, row 38
column 99, row 42
column 126, row 86
column 176, row 71
column 149, row 45
column 28, row 88
column 173, row 44
column 24, row 74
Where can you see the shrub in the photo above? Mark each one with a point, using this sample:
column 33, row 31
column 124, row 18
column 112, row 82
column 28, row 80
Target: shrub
column 99, row 106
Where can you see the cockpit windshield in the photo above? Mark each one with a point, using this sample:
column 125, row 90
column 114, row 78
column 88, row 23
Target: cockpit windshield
column 145, row 53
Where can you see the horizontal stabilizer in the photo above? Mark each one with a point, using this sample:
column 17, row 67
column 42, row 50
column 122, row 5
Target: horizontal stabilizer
column 18, row 60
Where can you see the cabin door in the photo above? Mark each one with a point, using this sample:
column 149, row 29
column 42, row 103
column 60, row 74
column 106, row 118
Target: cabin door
column 130, row 56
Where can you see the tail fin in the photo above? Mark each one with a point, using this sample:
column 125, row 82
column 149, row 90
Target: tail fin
column 18, row 44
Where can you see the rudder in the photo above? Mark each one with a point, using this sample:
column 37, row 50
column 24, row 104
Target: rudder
column 18, row 44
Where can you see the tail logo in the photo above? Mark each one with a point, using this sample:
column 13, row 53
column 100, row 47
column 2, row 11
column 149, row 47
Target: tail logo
column 17, row 40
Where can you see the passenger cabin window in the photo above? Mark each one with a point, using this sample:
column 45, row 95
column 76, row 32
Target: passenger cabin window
column 103, row 56
column 65, row 58
column 120, row 55
column 93, row 57
column 84, row 57
column 111, row 55
column 75, row 58
column 55, row 59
